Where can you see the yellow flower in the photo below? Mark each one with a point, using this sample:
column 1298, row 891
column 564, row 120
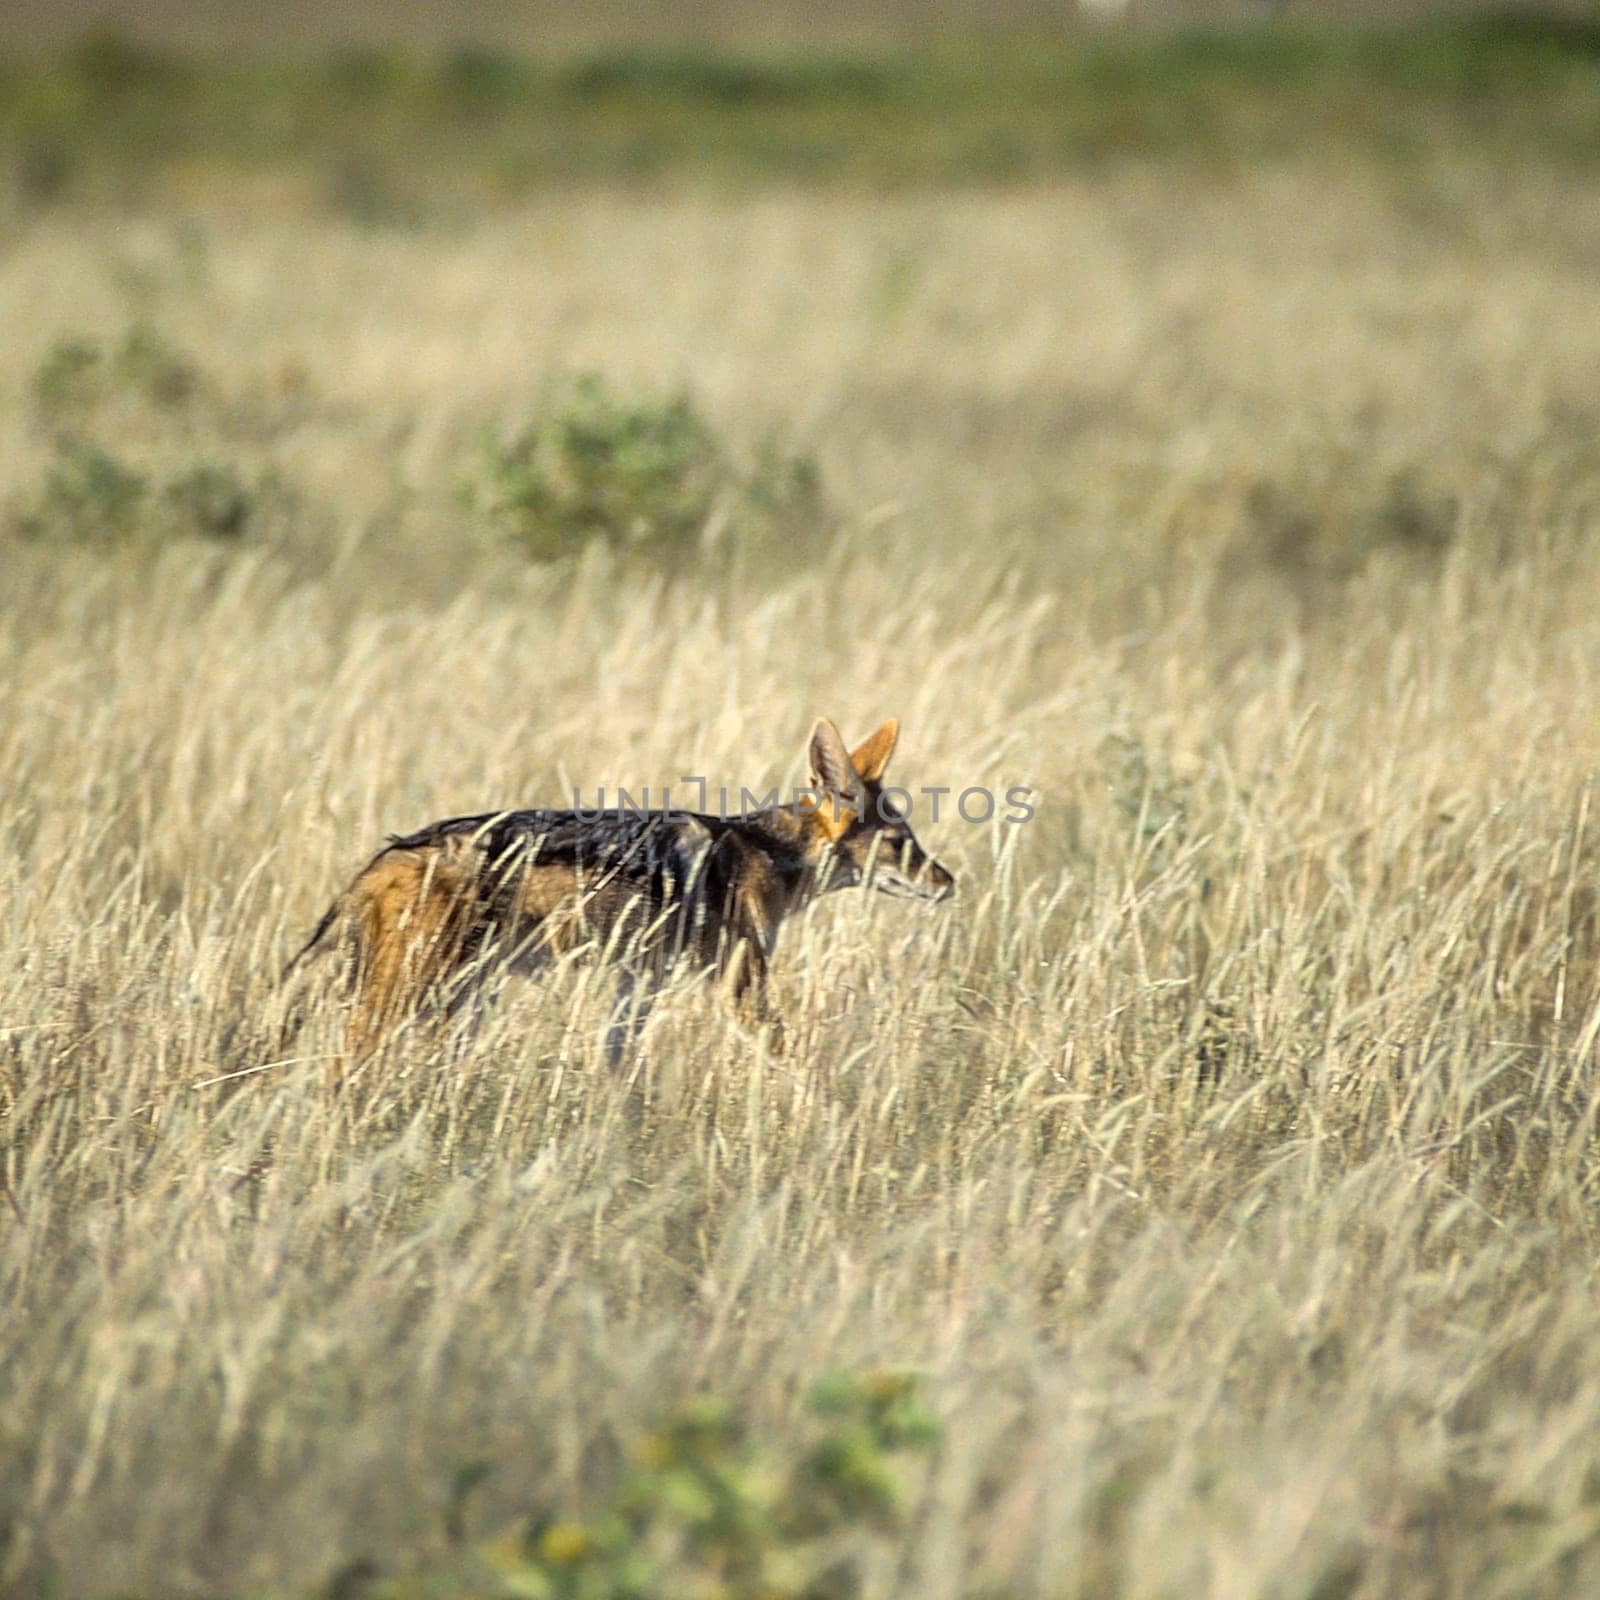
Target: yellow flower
column 563, row 1543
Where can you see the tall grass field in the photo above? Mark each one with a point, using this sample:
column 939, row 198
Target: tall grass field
column 1203, row 1203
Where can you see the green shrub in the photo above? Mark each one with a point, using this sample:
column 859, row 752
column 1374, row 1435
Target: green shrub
column 45, row 167
column 1339, row 509
column 474, row 75
column 112, row 65
column 370, row 194
column 69, row 375
column 701, row 1508
column 89, row 496
column 77, row 373
column 208, row 499
column 148, row 363
column 648, row 478
column 783, row 485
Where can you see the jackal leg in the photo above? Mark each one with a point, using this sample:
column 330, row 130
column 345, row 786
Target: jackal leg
column 742, row 973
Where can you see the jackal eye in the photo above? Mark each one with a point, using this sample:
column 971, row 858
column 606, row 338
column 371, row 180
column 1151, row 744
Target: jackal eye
column 895, row 839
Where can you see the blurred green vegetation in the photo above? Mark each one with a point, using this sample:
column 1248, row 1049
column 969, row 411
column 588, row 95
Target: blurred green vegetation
column 379, row 128
column 96, row 397
column 643, row 478
column 700, row 1508
column 90, row 496
column 145, row 364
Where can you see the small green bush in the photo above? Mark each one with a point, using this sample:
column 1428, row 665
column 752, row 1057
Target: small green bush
column 88, row 497
column 145, row 364
column 1339, row 510
column 68, row 376
column 210, row 500
column 648, row 478
column 91, row 497
column 701, row 1508
column 473, row 76
column 110, row 62
column 783, row 485
column 148, row 363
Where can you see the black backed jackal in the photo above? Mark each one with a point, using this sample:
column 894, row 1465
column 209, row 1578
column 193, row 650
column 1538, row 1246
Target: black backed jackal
column 647, row 890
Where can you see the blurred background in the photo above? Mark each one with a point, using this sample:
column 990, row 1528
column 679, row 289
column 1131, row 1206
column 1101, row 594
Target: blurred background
column 767, row 87
column 1152, row 277
column 224, row 24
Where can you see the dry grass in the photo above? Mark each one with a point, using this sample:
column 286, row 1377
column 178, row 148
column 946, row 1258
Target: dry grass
column 1225, row 1155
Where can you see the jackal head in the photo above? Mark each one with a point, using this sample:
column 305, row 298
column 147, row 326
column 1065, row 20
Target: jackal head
column 862, row 835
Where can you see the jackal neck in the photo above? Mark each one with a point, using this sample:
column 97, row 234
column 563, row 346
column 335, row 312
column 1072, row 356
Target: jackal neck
column 799, row 845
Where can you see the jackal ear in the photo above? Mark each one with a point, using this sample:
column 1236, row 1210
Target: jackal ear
column 871, row 756
column 831, row 766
